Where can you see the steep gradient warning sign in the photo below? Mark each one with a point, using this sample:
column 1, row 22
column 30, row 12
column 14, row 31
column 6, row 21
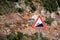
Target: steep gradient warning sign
column 39, row 23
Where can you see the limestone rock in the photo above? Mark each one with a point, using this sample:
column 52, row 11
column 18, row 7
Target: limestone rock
column 54, row 23
column 53, row 15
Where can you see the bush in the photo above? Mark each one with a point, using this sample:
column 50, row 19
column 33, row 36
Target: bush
column 13, row 0
column 12, row 36
column 44, row 38
column 30, row 3
column 20, row 35
column 28, row 0
column 19, row 23
column 33, row 8
column 58, row 1
column 20, row 10
column 6, row 7
column 3, row 37
column 49, row 5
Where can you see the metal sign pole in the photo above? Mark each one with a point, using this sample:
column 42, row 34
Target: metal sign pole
column 39, row 35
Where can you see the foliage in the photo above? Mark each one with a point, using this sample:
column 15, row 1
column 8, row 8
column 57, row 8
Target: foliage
column 49, row 5
column 13, row 0
column 45, row 38
column 3, row 37
column 30, row 3
column 33, row 8
column 14, row 36
column 20, row 35
column 20, row 10
column 58, row 1
column 29, row 0
column 19, row 23
column 6, row 7
column 11, row 36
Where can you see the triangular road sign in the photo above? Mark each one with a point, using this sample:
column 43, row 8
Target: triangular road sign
column 39, row 23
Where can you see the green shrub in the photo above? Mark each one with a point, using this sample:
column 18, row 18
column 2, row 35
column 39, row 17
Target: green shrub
column 20, row 10
column 58, row 1
column 3, row 37
column 44, row 38
column 20, row 35
column 28, row 2
column 19, row 23
column 12, row 36
column 33, row 8
column 1, row 13
column 6, row 7
column 13, row 0
column 49, row 5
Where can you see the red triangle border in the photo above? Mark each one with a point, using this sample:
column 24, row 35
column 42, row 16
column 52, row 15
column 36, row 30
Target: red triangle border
column 44, row 26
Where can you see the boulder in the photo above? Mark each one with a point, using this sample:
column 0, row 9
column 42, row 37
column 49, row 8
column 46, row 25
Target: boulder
column 53, row 15
column 54, row 24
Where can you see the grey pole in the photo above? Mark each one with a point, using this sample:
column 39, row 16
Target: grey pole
column 39, row 34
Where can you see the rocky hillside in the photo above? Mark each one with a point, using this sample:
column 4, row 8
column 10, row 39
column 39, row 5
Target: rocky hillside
column 16, row 17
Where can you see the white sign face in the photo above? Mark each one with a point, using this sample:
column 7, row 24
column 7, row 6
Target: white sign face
column 38, row 23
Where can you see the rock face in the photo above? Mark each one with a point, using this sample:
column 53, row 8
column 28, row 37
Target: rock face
column 24, row 23
column 53, row 15
column 48, row 14
column 54, row 24
column 52, row 31
column 43, row 12
column 5, row 31
column 57, row 18
column 59, row 10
